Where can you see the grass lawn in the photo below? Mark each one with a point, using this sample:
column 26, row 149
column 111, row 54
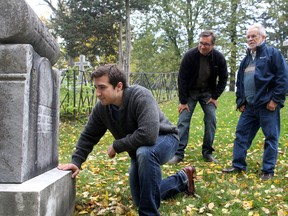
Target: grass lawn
column 103, row 188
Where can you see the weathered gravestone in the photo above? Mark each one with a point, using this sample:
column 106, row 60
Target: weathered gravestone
column 82, row 64
column 29, row 118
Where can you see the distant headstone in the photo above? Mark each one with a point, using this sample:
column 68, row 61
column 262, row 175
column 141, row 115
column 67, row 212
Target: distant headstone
column 82, row 64
column 29, row 103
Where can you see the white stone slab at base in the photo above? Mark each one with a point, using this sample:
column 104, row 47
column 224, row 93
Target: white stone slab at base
column 49, row 194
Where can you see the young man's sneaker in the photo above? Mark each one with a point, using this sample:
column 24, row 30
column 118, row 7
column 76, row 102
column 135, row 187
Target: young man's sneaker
column 190, row 172
column 175, row 160
column 266, row 176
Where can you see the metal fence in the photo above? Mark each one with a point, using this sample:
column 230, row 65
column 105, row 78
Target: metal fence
column 77, row 92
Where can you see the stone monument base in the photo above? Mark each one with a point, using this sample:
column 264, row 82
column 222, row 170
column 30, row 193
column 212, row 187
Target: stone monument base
column 49, row 194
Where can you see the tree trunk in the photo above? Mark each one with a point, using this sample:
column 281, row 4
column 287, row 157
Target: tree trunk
column 128, row 39
column 233, row 38
column 120, row 54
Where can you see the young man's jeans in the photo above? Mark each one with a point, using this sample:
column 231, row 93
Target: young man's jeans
column 249, row 123
column 146, row 184
column 209, row 123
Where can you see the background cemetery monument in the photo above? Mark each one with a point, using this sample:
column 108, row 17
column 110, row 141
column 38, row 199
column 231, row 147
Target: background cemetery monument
column 82, row 64
column 30, row 183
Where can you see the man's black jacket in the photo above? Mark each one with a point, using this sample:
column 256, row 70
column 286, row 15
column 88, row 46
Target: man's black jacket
column 189, row 72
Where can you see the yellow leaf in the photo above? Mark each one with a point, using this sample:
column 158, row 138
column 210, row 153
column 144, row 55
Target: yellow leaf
column 106, row 196
column 83, row 212
column 200, row 172
column 247, row 205
column 117, row 190
column 282, row 213
column 243, row 185
column 78, row 207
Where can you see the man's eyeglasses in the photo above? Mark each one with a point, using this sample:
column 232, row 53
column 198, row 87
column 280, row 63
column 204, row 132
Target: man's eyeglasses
column 204, row 44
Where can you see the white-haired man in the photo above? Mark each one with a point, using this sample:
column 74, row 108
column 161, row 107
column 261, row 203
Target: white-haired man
column 262, row 82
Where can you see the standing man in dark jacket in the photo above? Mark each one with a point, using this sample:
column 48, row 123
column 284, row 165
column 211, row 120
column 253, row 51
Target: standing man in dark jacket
column 202, row 78
column 262, row 83
column 141, row 129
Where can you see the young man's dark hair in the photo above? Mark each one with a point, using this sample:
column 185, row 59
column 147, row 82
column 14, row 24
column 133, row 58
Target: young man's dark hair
column 114, row 73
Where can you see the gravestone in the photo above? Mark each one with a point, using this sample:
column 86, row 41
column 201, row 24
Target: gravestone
column 82, row 64
column 30, row 183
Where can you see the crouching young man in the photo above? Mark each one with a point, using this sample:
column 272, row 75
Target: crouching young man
column 141, row 129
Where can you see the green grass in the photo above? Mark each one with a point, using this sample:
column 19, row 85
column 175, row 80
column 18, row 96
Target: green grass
column 103, row 188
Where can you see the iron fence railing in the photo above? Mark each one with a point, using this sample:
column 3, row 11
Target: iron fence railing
column 77, row 92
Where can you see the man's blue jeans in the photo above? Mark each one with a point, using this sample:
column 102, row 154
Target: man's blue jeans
column 209, row 123
column 146, row 184
column 248, row 125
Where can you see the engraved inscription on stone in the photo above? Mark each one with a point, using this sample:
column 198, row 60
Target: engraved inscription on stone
column 45, row 119
column 46, row 107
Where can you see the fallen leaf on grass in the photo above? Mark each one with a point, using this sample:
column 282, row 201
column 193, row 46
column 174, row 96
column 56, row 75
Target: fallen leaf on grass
column 247, row 205
column 125, row 158
column 83, row 212
column 119, row 210
column 251, row 213
column 201, row 210
column 200, row 173
column 282, row 213
column 78, row 207
column 117, row 190
column 211, row 206
column 265, row 210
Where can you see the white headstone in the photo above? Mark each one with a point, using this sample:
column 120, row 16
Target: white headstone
column 82, row 63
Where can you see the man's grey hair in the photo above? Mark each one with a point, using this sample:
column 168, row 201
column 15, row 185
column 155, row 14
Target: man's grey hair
column 261, row 29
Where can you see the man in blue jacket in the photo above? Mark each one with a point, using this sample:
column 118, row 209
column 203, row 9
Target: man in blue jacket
column 141, row 129
column 262, row 82
column 202, row 78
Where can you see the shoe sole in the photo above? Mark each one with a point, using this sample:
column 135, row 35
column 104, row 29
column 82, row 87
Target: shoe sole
column 191, row 188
